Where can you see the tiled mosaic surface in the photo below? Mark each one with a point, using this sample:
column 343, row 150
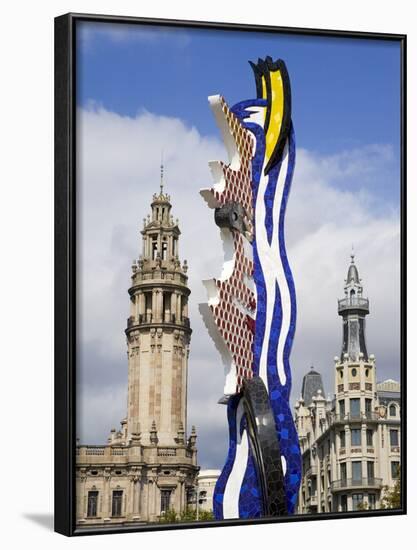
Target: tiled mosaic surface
column 268, row 336
column 234, row 325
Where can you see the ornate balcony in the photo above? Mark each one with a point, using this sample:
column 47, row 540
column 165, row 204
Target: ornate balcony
column 353, row 303
column 367, row 416
column 311, row 471
column 149, row 318
column 350, row 483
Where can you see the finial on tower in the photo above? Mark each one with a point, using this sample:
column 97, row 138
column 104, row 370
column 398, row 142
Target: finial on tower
column 162, row 172
column 352, row 256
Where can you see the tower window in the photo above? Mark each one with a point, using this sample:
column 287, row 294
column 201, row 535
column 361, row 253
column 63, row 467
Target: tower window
column 164, row 250
column 167, row 306
column 116, row 504
column 92, row 504
column 342, row 439
column 165, row 500
column 354, row 372
column 392, row 410
column 369, row 438
column 355, row 408
column 154, row 247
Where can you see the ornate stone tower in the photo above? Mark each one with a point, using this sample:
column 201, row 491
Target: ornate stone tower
column 158, row 331
column 149, row 466
column 353, row 308
column 350, row 444
column 355, row 371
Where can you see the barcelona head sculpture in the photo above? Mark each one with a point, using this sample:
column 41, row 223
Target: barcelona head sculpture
column 251, row 308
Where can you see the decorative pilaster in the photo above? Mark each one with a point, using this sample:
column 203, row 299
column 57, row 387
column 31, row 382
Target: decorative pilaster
column 106, row 495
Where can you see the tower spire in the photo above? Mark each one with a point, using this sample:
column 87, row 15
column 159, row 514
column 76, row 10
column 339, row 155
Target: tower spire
column 353, row 308
column 162, row 173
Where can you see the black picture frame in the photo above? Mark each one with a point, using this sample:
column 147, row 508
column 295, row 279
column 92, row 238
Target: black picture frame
column 65, row 268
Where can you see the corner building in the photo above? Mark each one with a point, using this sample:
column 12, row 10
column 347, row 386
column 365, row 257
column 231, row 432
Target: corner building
column 149, row 466
column 350, row 445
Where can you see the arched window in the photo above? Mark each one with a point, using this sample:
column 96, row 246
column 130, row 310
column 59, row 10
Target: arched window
column 392, row 410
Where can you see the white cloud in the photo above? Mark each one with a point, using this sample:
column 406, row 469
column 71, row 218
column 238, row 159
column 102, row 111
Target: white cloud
column 118, row 171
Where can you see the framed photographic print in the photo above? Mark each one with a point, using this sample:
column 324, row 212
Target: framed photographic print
column 230, row 274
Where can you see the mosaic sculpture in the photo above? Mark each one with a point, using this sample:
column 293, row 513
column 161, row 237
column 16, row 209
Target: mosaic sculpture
column 251, row 308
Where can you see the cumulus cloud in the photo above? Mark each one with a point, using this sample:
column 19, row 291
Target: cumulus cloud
column 118, row 171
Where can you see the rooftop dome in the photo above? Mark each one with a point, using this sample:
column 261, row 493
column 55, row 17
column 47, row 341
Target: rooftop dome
column 353, row 274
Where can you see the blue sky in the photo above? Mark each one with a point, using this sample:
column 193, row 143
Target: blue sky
column 346, row 92
column 140, row 91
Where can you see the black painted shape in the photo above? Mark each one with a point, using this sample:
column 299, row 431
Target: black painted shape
column 231, row 215
column 265, row 446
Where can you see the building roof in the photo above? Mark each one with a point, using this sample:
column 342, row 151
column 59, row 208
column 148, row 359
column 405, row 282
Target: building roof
column 389, row 386
column 353, row 274
column 209, row 473
column 312, row 383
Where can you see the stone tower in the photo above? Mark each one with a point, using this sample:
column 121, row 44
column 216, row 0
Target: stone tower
column 355, row 371
column 350, row 444
column 353, row 308
column 149, row 466
column 158, row 331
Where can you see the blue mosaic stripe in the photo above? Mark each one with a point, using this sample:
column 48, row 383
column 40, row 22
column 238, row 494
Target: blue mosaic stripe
column 250, row 498
column 279, row 393
column 221, row 483
column 250, row 505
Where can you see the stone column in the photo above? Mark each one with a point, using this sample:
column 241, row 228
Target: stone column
column 174, row 305
column 82, row 507
column 154, row 305
column 134, row 496
column 136, row 502
column 363, row 439
column 152, row 504
column 141, row 303
column 106, row 495
column 178, row 307
column 160, row 305
column 181, row 487
column 137, row 304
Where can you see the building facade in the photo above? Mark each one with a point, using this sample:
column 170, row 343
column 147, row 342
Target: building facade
column 207, row 480
column 150, row 465
column 350, row 444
